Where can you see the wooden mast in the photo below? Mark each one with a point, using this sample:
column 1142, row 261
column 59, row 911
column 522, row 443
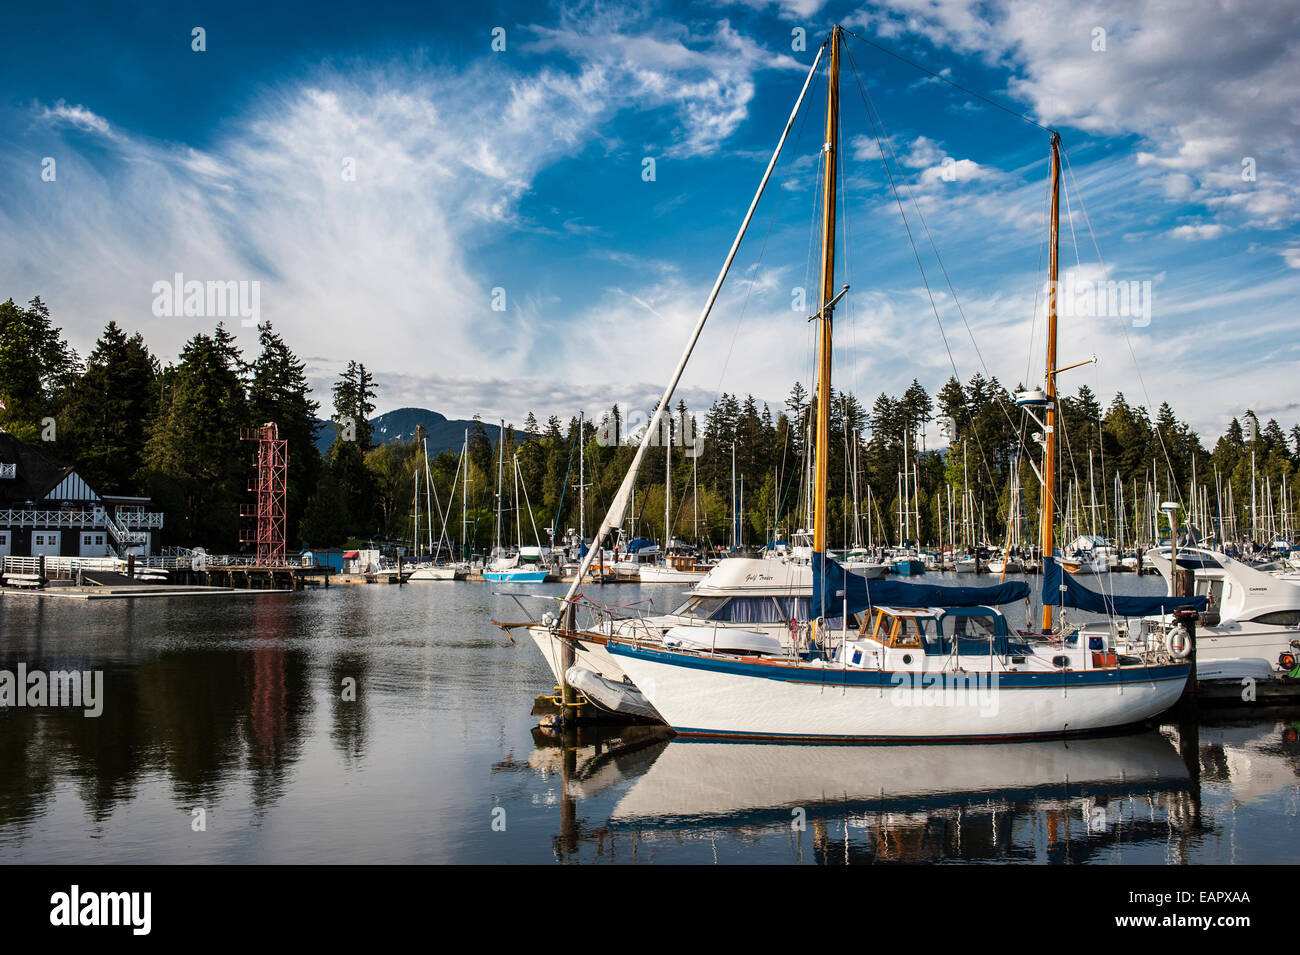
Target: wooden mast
column 1048, row 508
column 830, row 148
column 823, row 443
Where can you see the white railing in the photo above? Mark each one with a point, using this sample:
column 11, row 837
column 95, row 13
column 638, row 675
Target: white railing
column 123, row 537
column 22, row 517
column 61, row 568
column 96, row 517
column 66, row 568
column 151, row 520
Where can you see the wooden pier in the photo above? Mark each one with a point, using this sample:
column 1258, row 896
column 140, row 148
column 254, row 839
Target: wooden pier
column 255, row 576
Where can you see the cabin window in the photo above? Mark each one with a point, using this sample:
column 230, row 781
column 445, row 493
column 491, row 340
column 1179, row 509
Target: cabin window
column 702, row 607
column 1211, row 588
column 906, row 631
column 750, row 610
column 794, row 608
column 970, row 627
column 1279, row 618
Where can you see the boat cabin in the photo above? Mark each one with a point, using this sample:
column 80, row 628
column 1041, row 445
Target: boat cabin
column 939, row 630
column 924, row 638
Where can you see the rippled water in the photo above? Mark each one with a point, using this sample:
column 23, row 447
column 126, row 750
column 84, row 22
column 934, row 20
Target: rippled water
column 235, row 705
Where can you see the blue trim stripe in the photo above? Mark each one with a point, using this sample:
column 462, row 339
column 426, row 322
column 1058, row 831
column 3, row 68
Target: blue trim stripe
column 842, row 676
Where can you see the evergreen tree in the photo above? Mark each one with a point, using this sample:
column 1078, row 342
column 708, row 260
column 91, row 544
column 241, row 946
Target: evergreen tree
column 194, row 462
column 104, row 424
column 36, row 368
column 278, row 392
column 357, row 485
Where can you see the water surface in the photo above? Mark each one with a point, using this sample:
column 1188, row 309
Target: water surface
column 236, row 706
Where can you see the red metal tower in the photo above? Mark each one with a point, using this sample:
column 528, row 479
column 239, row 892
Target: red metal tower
column 271, row 483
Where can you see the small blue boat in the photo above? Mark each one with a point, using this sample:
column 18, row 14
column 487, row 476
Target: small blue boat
column 906, row 565
column 516, row 576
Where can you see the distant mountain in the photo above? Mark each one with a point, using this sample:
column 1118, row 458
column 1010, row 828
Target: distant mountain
column 399, row 426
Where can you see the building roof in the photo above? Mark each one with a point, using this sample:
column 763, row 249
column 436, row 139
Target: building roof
column 36, row 473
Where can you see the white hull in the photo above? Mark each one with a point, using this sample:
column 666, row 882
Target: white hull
column 708, row 696
column 667, row 575
column 592, row 656
column 868, row 569
column 1085, row 565
column 1235, row 642
column 433, row 573
column 1240, row 595
column 1244, row 640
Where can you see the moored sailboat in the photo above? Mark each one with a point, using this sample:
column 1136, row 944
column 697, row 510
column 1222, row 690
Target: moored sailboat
column 882, row 660
column 523, row 565
column 917, row 661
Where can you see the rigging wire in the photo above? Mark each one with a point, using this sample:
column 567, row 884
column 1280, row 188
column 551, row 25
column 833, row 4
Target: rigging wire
column 943, row 79
column 874, row 118
column 1128, row 342
column 762, row 249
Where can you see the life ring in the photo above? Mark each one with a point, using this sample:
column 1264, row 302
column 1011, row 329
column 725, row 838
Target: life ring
column 1287, row 660
column 1178, row 643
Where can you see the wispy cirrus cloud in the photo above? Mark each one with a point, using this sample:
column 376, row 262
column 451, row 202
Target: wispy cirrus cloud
column 359, row 194
column 78, row 116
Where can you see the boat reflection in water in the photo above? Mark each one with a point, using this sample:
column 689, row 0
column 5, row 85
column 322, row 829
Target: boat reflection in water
column 692, row 781
column 1044, row 801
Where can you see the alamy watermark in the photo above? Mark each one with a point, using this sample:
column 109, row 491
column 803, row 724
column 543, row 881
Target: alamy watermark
column 75, row 907
column 194, row 299
column 78, row 689
column 1084, row 298
column 975, row 691
column 629, row 431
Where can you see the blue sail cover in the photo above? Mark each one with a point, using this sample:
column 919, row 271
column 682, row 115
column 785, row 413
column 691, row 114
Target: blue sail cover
column 1063, row 590
column 829, row 578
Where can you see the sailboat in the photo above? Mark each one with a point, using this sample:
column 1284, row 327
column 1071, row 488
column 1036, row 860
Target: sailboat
column 520, row 565
column 435, row 568
column 677, row 564
column 883, row 660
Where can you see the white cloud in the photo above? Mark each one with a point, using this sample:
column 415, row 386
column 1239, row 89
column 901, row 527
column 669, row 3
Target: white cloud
column 864, row 148
column 1195, row 231
column 79, row 116
column 379, row 268
column 788, row 8
column 948, row 171
column 923, row 152
column 1200, row 83
column 705, row 76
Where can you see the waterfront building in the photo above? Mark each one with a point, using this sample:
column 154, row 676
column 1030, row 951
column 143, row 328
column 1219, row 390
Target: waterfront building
column 47, row 508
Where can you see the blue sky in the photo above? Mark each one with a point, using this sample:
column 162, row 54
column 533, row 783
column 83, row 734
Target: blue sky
column 522, row 170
